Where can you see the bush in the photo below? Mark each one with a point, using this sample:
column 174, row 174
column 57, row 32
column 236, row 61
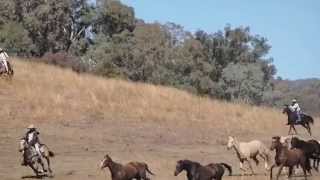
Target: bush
column 65, row 60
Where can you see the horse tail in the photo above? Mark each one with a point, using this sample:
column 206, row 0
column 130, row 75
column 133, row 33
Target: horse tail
column 310, row 119
column 48, row 151
column 51, row 154
column 148, row 170
column 227, row 167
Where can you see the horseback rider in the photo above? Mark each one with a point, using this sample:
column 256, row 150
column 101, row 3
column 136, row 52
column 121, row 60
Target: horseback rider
column 4, row 59
column 32, row 138
column 295, row 108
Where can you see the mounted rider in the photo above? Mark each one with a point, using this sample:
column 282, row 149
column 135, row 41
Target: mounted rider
column 33, row 140
column 4, row 59
column 295, row 108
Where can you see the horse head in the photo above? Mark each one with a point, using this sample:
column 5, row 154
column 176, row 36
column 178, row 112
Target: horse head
column 105, row 162
column 286, row 109
column 275, row 142
column 179, row 168
column 231, row 142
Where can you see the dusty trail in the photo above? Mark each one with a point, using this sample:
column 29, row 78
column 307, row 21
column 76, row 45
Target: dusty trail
column 80, row 148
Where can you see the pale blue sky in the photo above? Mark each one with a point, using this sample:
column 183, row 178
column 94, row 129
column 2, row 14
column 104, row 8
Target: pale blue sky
column 291, row 26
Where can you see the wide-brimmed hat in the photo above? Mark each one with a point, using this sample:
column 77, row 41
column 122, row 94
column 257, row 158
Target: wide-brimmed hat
column 294, row 100
column 31, row 126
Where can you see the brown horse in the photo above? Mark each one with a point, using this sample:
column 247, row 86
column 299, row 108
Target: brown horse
column 195, row 171
column 132, row 170
column 287, row 158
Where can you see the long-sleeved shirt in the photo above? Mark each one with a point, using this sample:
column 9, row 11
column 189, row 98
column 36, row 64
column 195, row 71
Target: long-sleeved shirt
column 295, row 107
column 3, row 56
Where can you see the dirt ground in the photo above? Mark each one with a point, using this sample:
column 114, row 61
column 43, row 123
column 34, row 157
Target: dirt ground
column 80, row 146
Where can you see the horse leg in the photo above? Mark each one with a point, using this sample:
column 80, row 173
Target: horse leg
column 294, row 130
column 49, row 166
column 243, row 170
column 271, row 168
column 290, row 171
column 279, row 171
column 42, row 164
column 309, row 129
column 250, row 166
column 256, row 160
column 289, row 129
column 35, row 170
column 265, row 158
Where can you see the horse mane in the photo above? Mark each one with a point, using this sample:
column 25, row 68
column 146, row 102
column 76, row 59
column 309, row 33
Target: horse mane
column 236, row 147
column 188, row 162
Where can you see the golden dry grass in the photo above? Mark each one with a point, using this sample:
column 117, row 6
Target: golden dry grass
column 44, row 93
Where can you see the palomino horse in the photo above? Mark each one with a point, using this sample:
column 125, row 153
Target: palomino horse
column 288, row 158
column 305, row 120
column 3, row 70
column 132, row 170
column 32, row 158
column 249, row 150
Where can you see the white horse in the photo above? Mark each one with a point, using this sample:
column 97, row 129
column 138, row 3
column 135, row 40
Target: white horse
column 249, row 150
column 33, row 160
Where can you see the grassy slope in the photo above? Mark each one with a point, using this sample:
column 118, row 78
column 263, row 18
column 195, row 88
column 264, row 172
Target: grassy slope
column 43, row 93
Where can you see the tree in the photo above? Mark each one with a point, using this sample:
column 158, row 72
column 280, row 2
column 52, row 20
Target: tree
column 114, row 17
column 243, row 82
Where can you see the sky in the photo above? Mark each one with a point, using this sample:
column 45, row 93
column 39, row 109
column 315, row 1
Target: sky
column 291, row 26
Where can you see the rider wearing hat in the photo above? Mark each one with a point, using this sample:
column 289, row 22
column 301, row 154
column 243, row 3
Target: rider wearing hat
column 294, row 107
column 32, row 138
column 4, row 59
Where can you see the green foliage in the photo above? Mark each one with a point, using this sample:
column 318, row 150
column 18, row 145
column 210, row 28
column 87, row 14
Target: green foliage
column 14, row 38
column 108, row 40
column 114, row 17
column 243, row 82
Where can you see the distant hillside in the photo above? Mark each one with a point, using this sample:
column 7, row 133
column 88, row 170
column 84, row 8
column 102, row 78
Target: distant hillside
column 307, row 91
column 43, row 93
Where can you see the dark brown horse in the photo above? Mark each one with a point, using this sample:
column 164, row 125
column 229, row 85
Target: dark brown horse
column 218, row 169
column 305, row 120
column 288, row 158
column 195, row 171
column 310, row 148
column 132, row 170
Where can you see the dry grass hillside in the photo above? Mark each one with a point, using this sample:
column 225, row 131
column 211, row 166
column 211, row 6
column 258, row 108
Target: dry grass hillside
column 42, row 93
column 82, row 117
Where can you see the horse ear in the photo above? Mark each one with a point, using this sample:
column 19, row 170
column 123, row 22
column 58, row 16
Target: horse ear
column 107, row 157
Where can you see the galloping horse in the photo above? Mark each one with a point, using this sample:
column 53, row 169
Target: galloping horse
column 288, row 158
column 305, row 120
column 132, row 170
column 249, row 150
column 33, row 160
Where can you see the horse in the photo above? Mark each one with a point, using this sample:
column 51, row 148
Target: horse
column 132, row 170
column 249, row 150
column 195, row 171
column 218, row 169
column 305, row 120
column 310, row 148
column 32, row 158
column 4, row 72
column 287, row 158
